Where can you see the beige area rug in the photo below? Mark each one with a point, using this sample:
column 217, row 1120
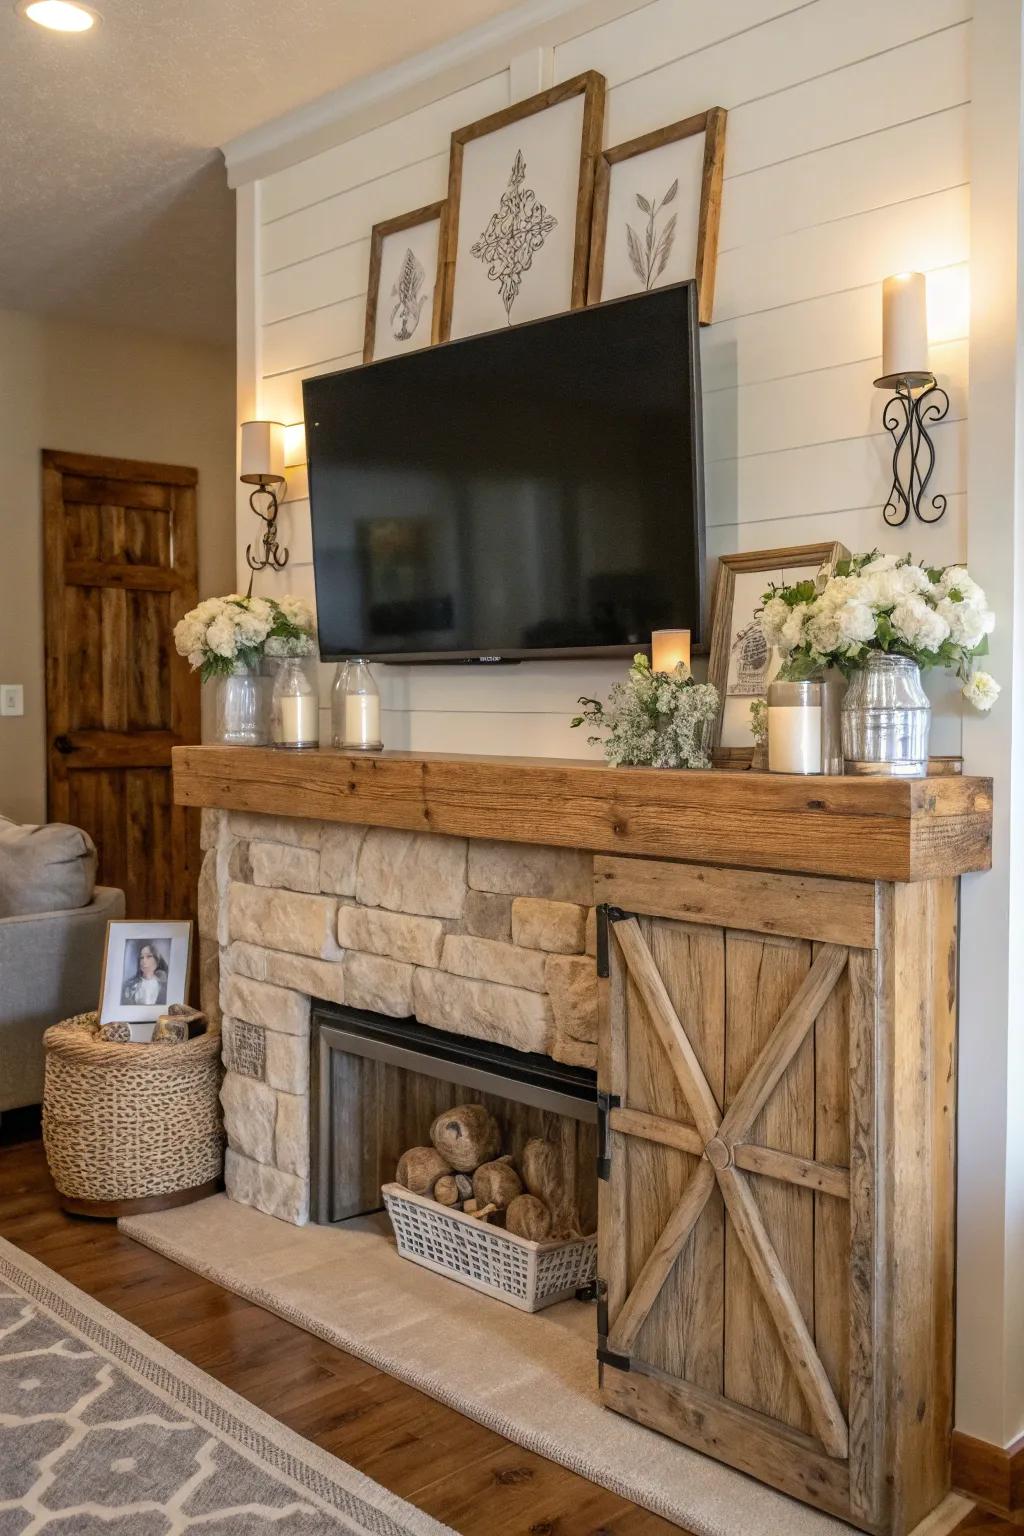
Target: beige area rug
column 104, row 1429
column 532, row 1378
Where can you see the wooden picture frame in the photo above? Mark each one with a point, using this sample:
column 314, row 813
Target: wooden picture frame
column 769, row 564
column 430, row 213
column 712, row 125
column 168, row 943
column 590, row 86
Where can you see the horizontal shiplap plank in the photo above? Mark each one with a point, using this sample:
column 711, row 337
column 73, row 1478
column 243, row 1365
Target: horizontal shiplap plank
column 338, row 274
column 815, row 407
column 334, row 331
column 666, row 29
column 281, row 394
column 932, row 231
column 860, row 529
column 492, row 732
column 382, row 150
column 824, row 477
column 351, row 215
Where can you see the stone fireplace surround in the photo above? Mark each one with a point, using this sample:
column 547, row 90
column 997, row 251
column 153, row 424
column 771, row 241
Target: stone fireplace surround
column 490, row 939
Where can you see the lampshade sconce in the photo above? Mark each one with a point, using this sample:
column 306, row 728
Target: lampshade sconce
column 263, row 455
column 918, row 400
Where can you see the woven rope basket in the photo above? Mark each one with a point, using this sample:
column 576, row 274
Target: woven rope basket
column 125, row 1122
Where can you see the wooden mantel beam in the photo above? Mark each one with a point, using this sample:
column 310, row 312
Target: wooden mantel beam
column 859, row 828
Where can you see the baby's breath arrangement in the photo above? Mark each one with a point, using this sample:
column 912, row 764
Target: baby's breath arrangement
column 654, row 719
column 759, row 722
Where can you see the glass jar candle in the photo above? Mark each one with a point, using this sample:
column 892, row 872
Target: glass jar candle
column 355, row 708
column 803, row 727
column 295, row 708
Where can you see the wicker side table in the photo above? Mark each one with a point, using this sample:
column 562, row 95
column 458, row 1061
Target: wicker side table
column 130, row 1128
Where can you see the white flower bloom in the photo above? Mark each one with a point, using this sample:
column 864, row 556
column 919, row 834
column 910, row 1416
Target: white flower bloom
column 840, row 590
column 196, row 659
column 297, row 611
column 823, row 631
column 889, row 585
column 968, row 624
column 857, row 623
column 919, row 624
column 222, row 637
column 881, row 563
column 956, row 579
column 252, row 627
column 792, row 633
column 773, row 617
column 981, row 691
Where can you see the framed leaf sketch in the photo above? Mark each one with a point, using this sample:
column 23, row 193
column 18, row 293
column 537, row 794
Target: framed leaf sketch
column 657, row 203
column 740, row 662
column 403, row 289
column 517, row 223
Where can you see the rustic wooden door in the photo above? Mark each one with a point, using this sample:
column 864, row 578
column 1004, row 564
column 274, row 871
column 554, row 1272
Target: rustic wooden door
column 745, row 1255
column 120, row 570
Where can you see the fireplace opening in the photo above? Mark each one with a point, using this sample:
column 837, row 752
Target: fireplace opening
column 379, row 1083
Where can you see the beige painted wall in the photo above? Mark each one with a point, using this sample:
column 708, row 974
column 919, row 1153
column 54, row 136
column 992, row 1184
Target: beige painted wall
column 122, row 393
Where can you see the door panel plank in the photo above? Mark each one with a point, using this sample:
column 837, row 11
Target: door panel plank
column 831, row 1215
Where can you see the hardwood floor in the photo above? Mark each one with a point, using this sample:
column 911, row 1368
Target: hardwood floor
column 462, row 1474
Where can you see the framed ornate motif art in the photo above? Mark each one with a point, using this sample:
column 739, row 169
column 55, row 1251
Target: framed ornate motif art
column 517, row 222
column 403, row 289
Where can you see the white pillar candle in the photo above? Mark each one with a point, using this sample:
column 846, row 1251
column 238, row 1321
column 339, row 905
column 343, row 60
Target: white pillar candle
column 362, row 720
column 299, row 719
column 794, row 738
column 668, row 648
column 904, row 324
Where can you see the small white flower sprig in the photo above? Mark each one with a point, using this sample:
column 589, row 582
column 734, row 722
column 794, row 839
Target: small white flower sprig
column 223, row 631
column 654, row 719
column 938, row 617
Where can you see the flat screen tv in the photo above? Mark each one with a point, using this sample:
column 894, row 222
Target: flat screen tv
column 532, row 492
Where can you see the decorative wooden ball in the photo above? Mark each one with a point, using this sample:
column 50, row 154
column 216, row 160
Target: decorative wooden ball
column 453, row 1189
column 466, row 1136
column 420, row 1168
column 528, row 1217
column 169, row 1030
column 497, row 1183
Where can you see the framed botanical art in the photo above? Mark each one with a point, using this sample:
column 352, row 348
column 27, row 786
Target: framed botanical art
column 403, row 290
column 657, row 203
column 740, row 663
column 145, row 970
column 517, row 223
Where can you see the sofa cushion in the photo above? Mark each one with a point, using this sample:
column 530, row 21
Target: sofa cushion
column 45, row 869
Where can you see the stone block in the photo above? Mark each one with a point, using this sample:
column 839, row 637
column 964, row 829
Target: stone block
column 339, row 859
column 246, row 960
column 491, row 960
column 284, row 1195
column 291, row 1135
column 384, row 986
column 275, row 829
column 209, row 980
column 250, row 1109
column 488, row 916
column 558, row 926
column 574, row 1053
column 279, row 864
column 324, row 979
column 236, row 859
column 298, row 924
column 519, row 869
column 207, row 901
column 590, row 944
column 572, row 988
column 244, row 1047
column 210, row 823
column 275, row 1008
column 508, row 1015
column 419, row 872
column 288, row 1062
column 399, row 935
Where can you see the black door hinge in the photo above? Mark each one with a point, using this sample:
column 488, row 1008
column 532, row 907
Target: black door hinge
column 606, row 915
column 605, row 1355
column 606, row 1102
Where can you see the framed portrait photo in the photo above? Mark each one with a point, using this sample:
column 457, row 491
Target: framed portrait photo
column 517, row 221
column 145, row 970
column 404, row 288
column 657, row 205
column 741, row 664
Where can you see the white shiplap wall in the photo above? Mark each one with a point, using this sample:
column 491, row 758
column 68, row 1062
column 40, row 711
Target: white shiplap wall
column 846, row 159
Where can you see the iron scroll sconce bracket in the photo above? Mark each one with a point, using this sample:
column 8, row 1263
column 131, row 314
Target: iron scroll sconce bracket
column 274, row 556
column 918, row 403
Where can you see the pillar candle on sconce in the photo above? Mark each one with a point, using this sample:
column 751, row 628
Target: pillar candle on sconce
column 668, row 648
column 917, row 402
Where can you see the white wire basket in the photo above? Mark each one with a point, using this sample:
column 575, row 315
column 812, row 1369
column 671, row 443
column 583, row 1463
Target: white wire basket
column 525, row 1274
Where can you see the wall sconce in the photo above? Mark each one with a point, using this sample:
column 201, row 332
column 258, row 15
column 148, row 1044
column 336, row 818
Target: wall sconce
column 917, row 402
column 263, row 466
column 294, row 444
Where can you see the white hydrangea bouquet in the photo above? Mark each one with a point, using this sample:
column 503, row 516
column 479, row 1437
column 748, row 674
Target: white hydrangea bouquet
column 222, row 632
column 654, row 719
column 938, row 617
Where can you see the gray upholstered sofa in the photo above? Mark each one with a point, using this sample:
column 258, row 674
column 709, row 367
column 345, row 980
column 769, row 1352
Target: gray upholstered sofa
column 53, row 922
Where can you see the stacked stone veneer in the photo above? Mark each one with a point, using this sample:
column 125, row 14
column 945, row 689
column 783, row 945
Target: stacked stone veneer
column 483, row 938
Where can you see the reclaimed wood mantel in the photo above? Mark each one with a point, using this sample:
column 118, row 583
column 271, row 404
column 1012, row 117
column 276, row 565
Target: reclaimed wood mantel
column 857, row 828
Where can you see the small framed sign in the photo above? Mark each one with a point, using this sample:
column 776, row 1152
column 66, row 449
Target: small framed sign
column 145, row 970
column 403, row 288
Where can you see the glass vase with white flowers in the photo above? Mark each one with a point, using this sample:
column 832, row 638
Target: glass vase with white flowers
column 881, row 620
column 227, row 640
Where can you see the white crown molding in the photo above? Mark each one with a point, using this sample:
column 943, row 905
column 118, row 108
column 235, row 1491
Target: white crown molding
column 414, row 82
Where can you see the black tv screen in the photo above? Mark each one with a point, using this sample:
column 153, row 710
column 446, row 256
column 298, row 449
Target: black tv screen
column 536, row 491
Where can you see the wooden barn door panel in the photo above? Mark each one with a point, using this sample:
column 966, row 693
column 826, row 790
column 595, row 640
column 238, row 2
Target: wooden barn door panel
column 120, row 540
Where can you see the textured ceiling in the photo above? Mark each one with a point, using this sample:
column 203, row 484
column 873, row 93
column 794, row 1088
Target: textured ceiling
column 113, row 200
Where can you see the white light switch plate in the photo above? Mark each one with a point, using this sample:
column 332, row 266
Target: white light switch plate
column 12, row 699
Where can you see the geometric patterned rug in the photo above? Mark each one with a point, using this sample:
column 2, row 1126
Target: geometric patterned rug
column 104, row 1429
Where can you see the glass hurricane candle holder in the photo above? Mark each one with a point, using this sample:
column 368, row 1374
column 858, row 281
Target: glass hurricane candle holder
column 355, row 708
column 295, row 707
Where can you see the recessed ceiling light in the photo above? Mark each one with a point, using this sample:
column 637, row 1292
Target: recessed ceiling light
column 59, row 15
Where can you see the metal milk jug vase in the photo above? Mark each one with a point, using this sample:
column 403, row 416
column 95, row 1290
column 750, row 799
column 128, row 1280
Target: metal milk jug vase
column 886, row 719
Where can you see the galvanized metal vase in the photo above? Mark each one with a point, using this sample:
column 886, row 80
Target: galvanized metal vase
column 886, row 719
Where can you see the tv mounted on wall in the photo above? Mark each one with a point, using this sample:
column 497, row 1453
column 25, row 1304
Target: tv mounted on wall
column 532, row 492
